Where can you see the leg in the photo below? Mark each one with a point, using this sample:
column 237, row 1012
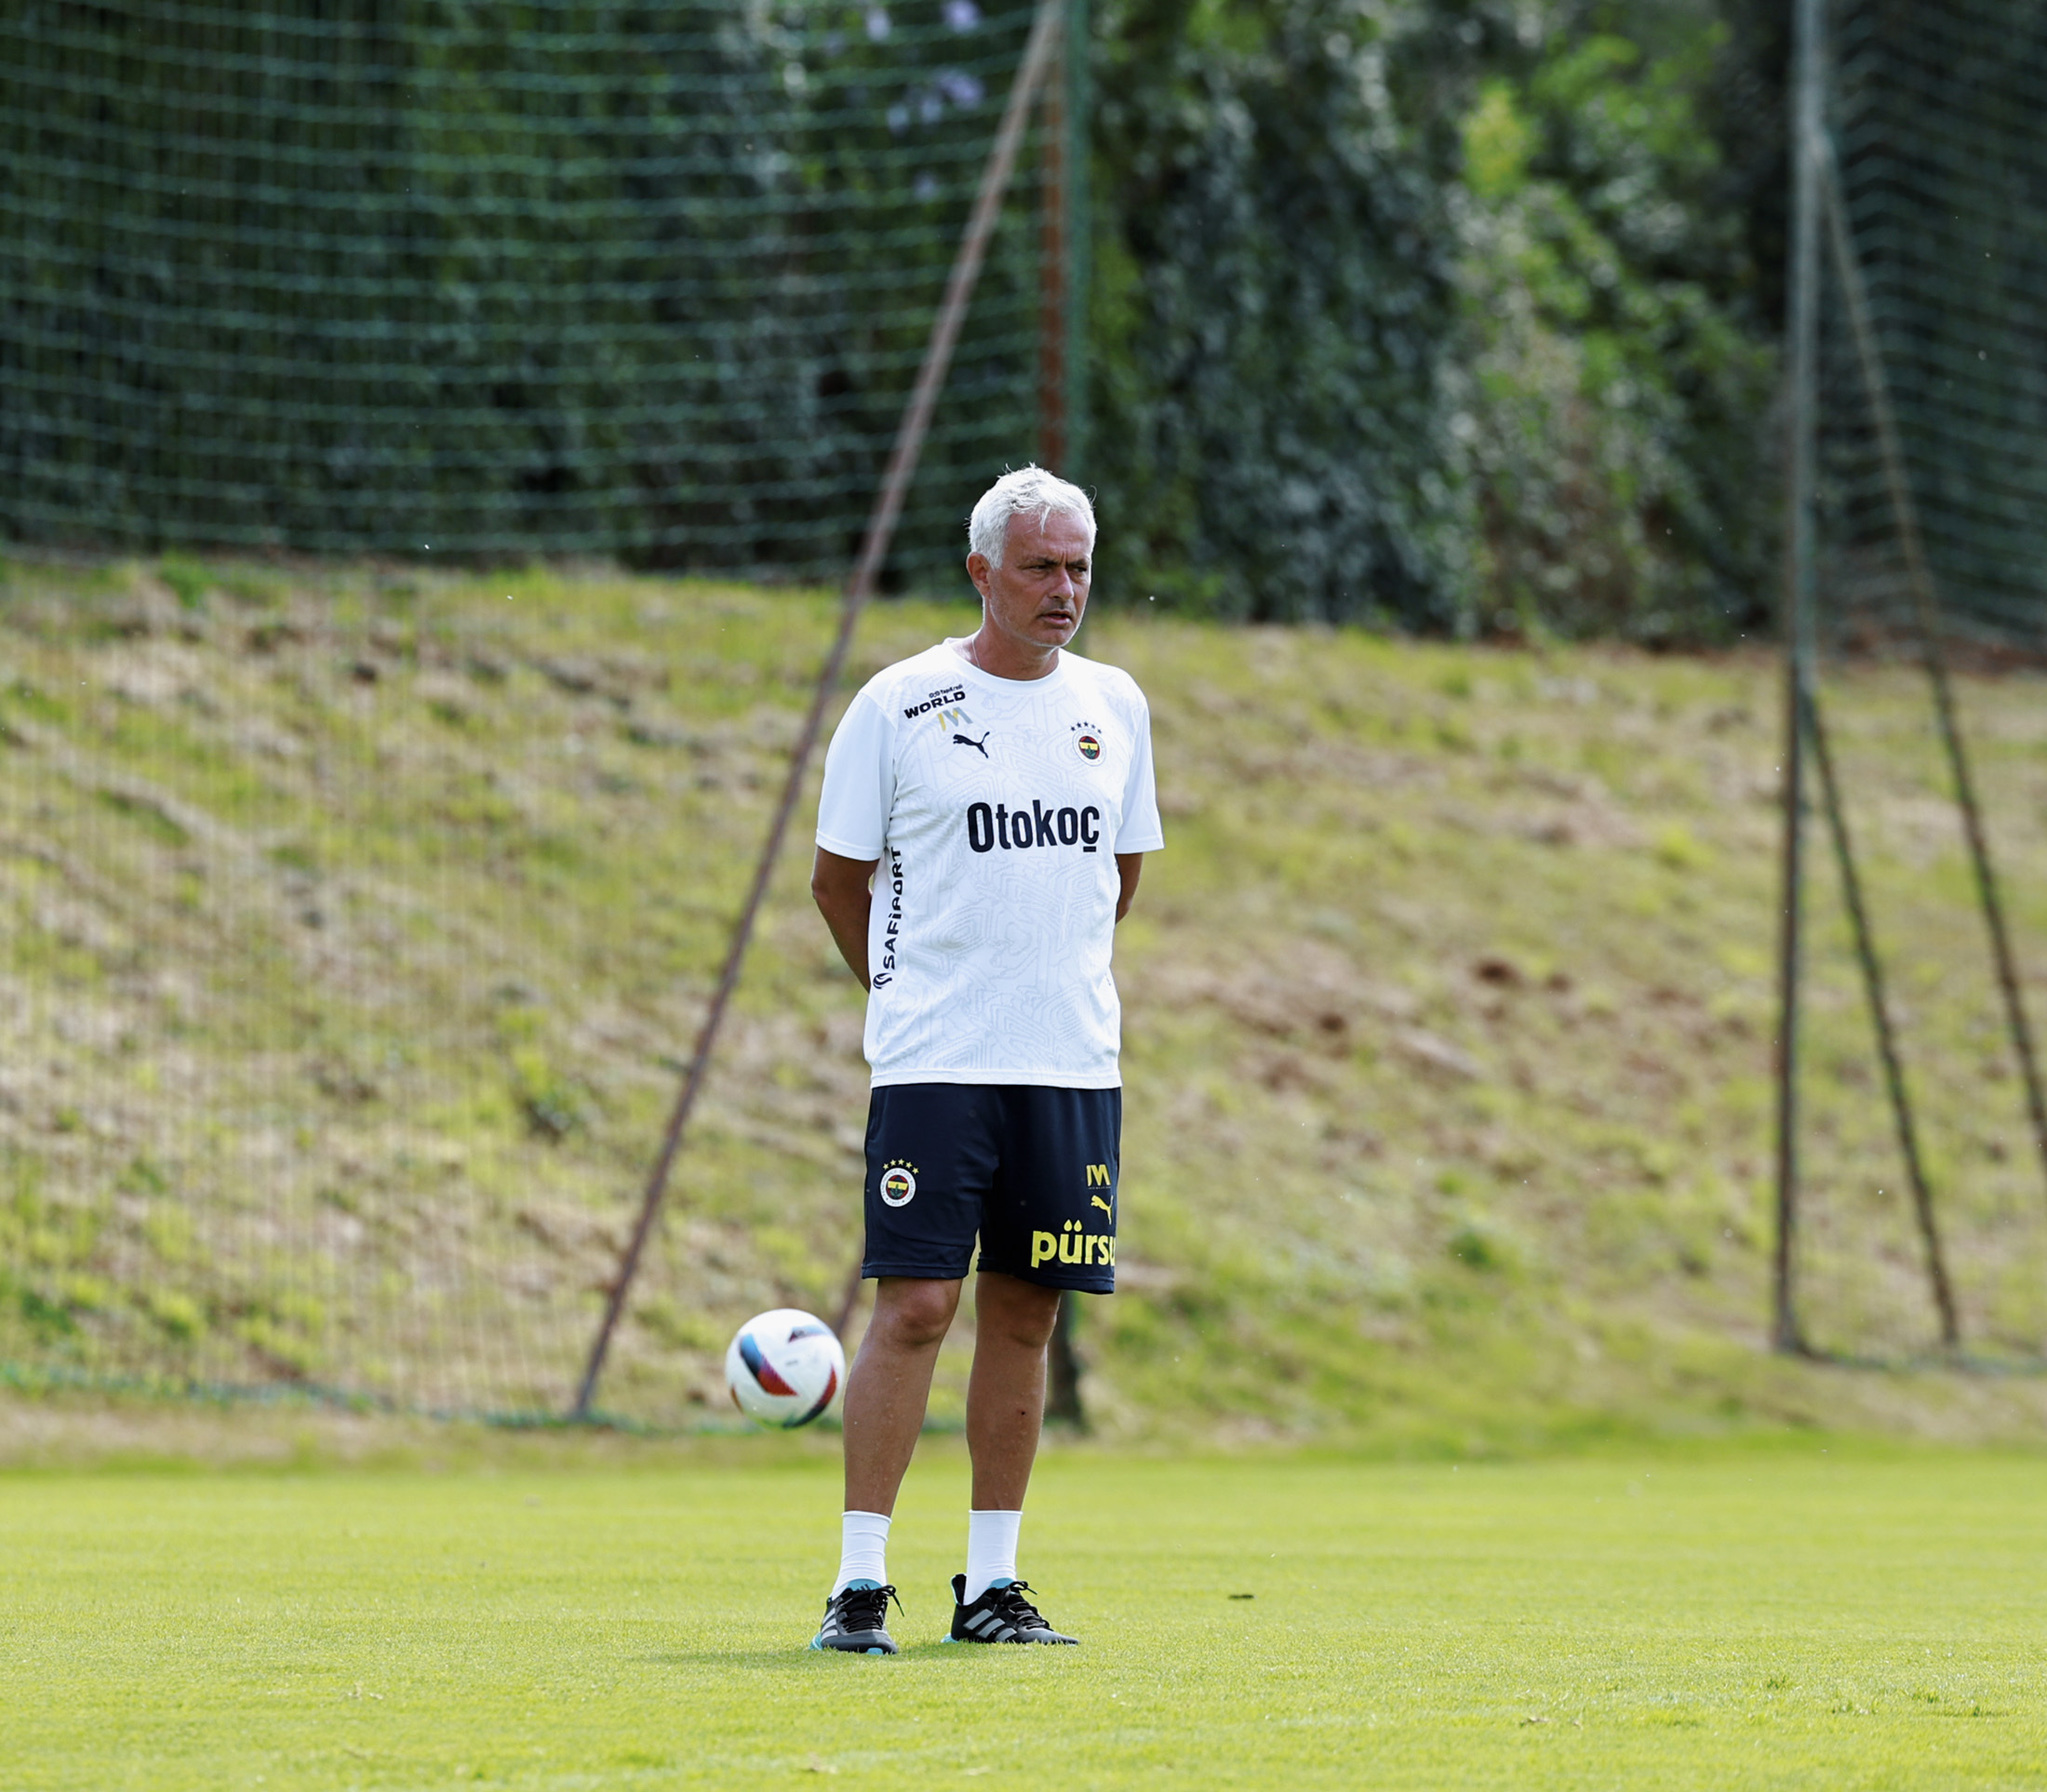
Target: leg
column 1006, row 1393
column 889, row 1384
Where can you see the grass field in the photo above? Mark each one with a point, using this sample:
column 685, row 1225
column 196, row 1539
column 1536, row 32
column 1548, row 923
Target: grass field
column 1795, row 1614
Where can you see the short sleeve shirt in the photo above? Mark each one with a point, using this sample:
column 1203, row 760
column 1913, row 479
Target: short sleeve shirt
column 996, row 807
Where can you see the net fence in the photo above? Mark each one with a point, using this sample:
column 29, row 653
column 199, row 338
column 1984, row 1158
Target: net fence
column 355, row 920
column 568, row 278
column 353, row 930
column 1937, row 122
column 1931, row 385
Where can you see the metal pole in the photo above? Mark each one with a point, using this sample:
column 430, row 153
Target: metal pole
column 1065, row 171
column 1053, row 217
column 1800, row 575
column 888, row 507
column 849, row 1296
column 1926, row 613
column 1079, row 164
column 1063, row 1369
column 1880, row 1018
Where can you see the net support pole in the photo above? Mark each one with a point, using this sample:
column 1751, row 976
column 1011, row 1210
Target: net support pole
column 881, row 526
column 1079, row 165
column 1927, row 622
column 1053, row 248
column 1061, row 288
column 1886, row 1037
column 1800, row 591
column 1063, row 1369
column 1062, row 259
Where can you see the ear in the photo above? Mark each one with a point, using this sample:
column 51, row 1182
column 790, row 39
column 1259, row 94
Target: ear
column 978, row 570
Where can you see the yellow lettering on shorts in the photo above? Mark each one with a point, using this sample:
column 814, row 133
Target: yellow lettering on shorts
column 1098, row 1175
column 1044, row 1247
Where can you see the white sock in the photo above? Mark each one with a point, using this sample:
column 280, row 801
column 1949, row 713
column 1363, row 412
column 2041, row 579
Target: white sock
column 863, row 1550
column 991, row 1550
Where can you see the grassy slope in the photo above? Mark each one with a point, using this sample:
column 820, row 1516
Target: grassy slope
column 1667, row 1620
column 355, row 926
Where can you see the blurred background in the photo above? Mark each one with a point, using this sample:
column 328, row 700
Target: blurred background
column 425, row 430
column 1448, row 316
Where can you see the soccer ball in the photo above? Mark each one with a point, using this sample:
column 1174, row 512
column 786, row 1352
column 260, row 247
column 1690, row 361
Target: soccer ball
column 784, row 1367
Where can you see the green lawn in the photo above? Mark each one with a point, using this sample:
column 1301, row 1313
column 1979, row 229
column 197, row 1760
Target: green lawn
column 1780, row 1615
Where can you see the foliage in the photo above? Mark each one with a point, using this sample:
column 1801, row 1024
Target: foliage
column 1274, row 310
column 1613, row 400
column 451, row 278
column 1434, row 313
column 1353, row 367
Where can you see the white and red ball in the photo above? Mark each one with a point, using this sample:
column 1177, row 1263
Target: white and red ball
column 784, row 1367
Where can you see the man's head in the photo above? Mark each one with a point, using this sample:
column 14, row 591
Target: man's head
column 1033, row 539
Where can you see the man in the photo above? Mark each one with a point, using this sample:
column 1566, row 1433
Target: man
column 1002, row 789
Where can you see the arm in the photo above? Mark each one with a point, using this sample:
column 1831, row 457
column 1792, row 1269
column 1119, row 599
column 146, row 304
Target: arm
column 1129, row 865
column 843, row 894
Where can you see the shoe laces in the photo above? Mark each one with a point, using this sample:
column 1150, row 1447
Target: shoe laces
column 866, row 1608
column 1012, row 1607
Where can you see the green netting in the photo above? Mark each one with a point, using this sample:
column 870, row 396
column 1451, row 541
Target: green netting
column 353, row 928
column 352, row 923
column 492, row 280
column 1939, row 117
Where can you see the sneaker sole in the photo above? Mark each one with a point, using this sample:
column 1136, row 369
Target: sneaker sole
column 823, row 1648
column 1065, row 1642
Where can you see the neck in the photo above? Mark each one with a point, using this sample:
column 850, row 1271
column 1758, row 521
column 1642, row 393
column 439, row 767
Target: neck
column 1001, row 657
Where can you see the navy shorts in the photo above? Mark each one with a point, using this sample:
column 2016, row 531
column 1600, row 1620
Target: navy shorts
column 1032, row 1171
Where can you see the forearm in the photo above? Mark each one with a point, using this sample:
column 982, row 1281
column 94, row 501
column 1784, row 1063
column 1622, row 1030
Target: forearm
column 1129, row 865
column 843, row 896
column 848, row 922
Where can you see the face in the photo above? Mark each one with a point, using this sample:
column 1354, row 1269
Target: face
column 1038, row 594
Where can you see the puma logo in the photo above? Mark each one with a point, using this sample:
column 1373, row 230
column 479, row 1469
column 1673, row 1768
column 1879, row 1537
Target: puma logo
column 1097, row 1201
column 960, row 740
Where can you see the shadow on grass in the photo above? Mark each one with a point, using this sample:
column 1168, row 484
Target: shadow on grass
column 796, row 1655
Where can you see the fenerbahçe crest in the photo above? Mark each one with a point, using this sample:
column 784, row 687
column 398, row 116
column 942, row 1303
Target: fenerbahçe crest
column 1087, row 740
column 898, row 1184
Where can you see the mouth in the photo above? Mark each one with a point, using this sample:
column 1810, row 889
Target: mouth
column 1059, row 618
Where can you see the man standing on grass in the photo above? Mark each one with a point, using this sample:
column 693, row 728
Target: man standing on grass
column 987, row 805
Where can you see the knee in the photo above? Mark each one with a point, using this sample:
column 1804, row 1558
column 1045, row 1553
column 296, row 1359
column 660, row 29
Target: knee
column 1023, row 1318
column 1035, row 1332
column 915, row 1315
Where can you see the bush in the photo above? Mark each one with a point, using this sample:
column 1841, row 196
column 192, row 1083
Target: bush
column 1274, row 309
column 1612, row 404
column 1425, row 315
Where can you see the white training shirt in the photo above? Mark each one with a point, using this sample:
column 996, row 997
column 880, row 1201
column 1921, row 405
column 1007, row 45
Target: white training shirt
column 996, row 807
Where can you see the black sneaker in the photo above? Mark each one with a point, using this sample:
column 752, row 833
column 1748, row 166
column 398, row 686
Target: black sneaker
column 1000, row 1615
column 856, row 1620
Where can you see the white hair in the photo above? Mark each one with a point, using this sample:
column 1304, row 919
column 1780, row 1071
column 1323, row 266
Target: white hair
column 1029, row 491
